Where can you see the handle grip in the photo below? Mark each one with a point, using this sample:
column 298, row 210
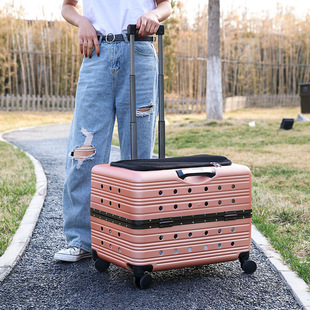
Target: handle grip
column 184, row 173
column 132, row 29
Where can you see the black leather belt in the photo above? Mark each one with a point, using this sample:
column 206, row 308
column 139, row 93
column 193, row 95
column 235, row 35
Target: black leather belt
column 110, row 38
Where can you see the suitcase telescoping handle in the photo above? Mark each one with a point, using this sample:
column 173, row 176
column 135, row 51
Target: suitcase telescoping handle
column 132, row 31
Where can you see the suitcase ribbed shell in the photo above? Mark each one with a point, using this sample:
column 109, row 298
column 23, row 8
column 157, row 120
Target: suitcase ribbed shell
column 155, row 218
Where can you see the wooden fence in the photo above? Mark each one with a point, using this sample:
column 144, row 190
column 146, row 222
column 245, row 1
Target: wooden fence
column 172, row 105
column 191, row 105
column 36, row 103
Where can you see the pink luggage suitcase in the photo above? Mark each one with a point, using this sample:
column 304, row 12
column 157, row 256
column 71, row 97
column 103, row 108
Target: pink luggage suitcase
column 166, row 213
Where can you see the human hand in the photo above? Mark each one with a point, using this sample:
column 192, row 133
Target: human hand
column 147, row 24
column 87, row 38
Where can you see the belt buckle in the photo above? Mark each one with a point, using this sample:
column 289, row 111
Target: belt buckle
column 113, row 39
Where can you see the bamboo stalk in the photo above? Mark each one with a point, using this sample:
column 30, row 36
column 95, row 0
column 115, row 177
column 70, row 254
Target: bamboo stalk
column 51, row 82
column 23, row 74
column 58, row 66
column 45, row 73
column 26, row 57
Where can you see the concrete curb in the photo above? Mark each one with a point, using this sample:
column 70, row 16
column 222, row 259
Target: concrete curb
column 25, row 230
column 297, row 285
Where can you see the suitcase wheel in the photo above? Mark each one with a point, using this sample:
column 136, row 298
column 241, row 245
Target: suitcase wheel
column 248, row 266
column 144, row 282
column 101, row 265
column 142, row 279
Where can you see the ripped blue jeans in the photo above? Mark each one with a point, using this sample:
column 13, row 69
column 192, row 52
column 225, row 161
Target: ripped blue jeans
column 102, row 95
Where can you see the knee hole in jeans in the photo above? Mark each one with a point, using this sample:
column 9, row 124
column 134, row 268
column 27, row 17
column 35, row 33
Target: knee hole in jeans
column 145, row 111
column 82, row 153
column 85, row 151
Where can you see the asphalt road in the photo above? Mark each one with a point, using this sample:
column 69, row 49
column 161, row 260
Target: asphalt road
column 38, row 282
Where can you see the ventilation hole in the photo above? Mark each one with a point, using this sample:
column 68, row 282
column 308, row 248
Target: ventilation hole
column 175, row 206
column 119, row 250
column 190, row 249
column 176, row 236
column 110, row 203
column 110, row 188
column 101, row 228
column 101, row 185
column 206, row 203
column 233, row 186
column 119, row 234
column 161, row 237
column 190, row 205
column 206, row 188
column 119, row 190
column 220, row 231
column 110, row 231
column 160, row 208
column 219, row 245
column 190, row 234
column 101, row 200
column 220, row 187
column 206, row 233
column 161, row 253
column 175, row 251
column 206, row 247
column 233, row 201
column 233, row 243
column 233, row 229
column 189, row 190
column 160, row 192
column 119, row 206
column 101, row 242
column 220, row 202
column 175, row 191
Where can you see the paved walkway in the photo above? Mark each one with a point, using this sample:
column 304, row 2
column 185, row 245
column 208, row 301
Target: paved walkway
column 38, row 282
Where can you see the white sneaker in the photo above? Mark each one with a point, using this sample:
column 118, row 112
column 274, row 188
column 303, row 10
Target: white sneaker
column 72, row 254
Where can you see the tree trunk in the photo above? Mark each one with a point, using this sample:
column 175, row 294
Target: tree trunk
column 214, row 78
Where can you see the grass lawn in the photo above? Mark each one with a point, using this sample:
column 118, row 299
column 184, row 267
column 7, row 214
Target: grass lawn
column 279, row 161
column 17, row 186
column 17, row 177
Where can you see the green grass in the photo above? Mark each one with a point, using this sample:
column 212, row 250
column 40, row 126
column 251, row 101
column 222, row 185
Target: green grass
column 281, row 211
column 17, row 187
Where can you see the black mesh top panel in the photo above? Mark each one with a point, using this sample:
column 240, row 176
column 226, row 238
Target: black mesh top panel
column 202, row 160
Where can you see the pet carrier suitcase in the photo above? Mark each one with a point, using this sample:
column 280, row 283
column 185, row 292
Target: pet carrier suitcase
column 166, row 213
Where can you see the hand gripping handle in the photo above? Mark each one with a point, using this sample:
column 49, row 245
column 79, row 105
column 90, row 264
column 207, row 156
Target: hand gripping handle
column 132, row 29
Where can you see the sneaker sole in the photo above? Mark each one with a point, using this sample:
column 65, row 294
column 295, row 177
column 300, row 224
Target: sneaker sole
column 70, row 258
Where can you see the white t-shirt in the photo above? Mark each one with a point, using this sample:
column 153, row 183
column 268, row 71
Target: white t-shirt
column 113, row 16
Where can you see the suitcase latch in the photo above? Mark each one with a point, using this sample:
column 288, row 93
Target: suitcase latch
column 230, row 216
column 167, row 223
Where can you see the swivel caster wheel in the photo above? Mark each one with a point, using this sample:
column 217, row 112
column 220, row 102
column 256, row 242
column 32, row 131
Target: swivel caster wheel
column 249, row 266
column 144, row 282
column 101, row 265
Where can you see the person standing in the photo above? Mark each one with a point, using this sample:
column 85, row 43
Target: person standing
column 103, row 95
